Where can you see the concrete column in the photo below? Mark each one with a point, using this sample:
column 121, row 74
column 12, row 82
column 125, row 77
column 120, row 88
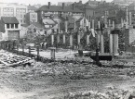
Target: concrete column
column 64, row 39
column 88, row 40
column 111, row 43
column 93, row 24
column 78, row 39
column 71, row 40
column 66, row 28
column 127, row 19
column 130, row 18
column 122, row 22
column 102, row 43
column 52, row 39
column 99, row 34
column 115, row 44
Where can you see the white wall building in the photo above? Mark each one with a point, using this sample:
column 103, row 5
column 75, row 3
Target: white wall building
column 9, row 29
column 13, row 10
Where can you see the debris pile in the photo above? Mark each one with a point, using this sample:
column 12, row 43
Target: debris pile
column 10, row 59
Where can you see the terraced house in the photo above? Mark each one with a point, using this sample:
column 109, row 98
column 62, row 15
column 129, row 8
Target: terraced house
column 9, row 29
column 52, row 16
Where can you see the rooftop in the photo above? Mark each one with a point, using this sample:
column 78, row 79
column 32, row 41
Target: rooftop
column 9, row 20
column 53, row 8
column 32, row 8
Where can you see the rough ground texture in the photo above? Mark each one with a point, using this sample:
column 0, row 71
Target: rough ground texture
column 65, row 81
column 46, row 81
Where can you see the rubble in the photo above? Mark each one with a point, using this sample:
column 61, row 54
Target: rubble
column 10, row 59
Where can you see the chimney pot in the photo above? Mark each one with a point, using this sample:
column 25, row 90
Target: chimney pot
column 63, row 5
column 49, row 4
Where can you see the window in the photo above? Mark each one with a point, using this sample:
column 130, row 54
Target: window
column 16, row 25
column 12, row 25
column 8, row 26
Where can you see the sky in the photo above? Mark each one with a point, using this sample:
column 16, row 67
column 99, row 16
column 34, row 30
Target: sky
column 42, row 1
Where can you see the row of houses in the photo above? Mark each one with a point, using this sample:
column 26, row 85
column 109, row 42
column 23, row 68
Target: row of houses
column 60, row 18
column 42, row 22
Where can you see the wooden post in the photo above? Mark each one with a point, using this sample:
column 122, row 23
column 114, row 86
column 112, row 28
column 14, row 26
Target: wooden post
column 29, row 51
column 23, row 49
column 58, row 37
column 53, row 53
column 78, row 38
column 37, row 52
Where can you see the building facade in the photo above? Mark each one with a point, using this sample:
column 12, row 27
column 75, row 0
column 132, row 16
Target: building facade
column 31, row 17
column 13, row 10
column 10, row 29
column 51, row 16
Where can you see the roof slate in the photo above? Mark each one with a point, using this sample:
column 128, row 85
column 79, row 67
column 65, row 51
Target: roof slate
column 9, row 20
column 32, row 7
column 36, row 24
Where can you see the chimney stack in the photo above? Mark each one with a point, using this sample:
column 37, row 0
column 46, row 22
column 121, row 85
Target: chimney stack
column 49, row 4
column 63, row 5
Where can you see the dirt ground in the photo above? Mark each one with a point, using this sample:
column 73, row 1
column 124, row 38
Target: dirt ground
column 39, row 81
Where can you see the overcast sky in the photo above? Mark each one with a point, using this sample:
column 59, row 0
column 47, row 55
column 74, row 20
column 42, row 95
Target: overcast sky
column 42, row 1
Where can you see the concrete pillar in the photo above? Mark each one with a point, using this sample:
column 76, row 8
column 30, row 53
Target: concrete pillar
column 53, row 53
column 78, row 39
column 71, row 40
column 93, row 24
column 52, row 39
column 66, row 26
column 127, row 19
column 88, row 39
column 130, row 18
column 102, row 43
column 115, row 44
column 122, row 22
column 111, row 43
column 64, row 39
column 99, row 34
